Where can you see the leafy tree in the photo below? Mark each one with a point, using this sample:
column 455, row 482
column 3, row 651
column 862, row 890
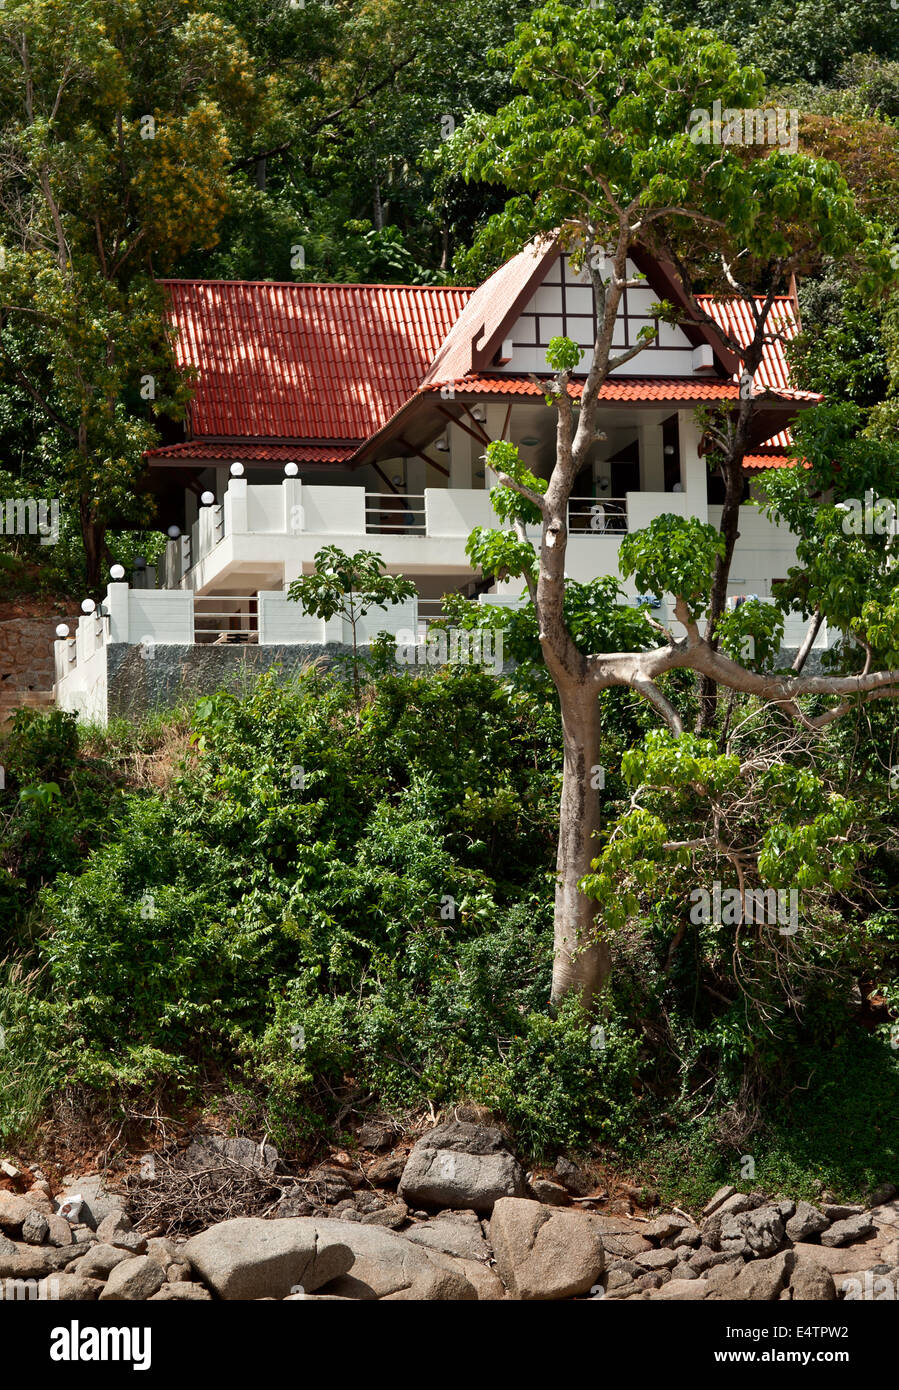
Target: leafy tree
column 116, row 122
column 350, row 585
column 595, row 149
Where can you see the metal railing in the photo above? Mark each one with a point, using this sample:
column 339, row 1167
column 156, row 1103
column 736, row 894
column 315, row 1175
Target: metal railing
column 235, row 618
column 597, row 516
column 395, row 514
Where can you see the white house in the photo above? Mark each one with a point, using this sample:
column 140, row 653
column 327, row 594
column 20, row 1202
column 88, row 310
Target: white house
column 359, row 415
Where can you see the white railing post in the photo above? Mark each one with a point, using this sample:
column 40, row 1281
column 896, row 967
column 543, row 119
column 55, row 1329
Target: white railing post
column 116, row 606
column 235, row 504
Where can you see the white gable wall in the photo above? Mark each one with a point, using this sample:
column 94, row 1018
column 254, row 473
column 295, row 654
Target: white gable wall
column 563, row 307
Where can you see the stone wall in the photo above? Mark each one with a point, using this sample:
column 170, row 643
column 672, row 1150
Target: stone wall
column 26, row 654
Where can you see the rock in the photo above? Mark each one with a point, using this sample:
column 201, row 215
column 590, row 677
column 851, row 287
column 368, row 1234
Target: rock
column 713, row 1204
column 812, row 1283
column 885, row 1193
column 837, row 1260
column 621, row 1206
column 13, row 1211
column 759, row 1233
column 376, row 1135
column 573, row 1178
column 544, row 1252
column 854, row 1228
column 681, row 1291
column 388, row 1266
column 39, row 1201
column 664, row 1227
column 622, row 1239
column 59, row 1232
column 293, row 1205
column 834, row 1212
column 642, row 1196
column 620, row 1275
column 35, row 1228
column 657, row 1259
column 250, row 1258
column 70, row 1287
column 162, row 1250
column 181, row 1293
column 807, row 1221
column 37, row 1261
column 8, row 1248
column 116, row 1229
column 690, row 1238
column 463, row 1239
column 179, row 1272
column 136, row 1278
column 96, row 1199
column 99, row 1262
column 392, row 1216
column 704, row 1259
column 386, row 1172
column 208, row 1150
column 551, row 1194
column 461, row 1165
column 367, row 1202
column 485, row 1281
column 758, row 1281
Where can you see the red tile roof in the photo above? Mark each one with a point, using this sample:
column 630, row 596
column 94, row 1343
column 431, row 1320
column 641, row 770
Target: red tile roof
column 616, row 388
column 306, row 361
column 735, row 317
column 274, row 453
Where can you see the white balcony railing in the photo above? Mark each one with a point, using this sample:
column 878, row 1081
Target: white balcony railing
column 395, row 514
column 597, row 516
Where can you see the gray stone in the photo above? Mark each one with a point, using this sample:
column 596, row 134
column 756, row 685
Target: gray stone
column 836, row 1212
column 885, row 1193
column 681, row 1291
column 690, row 1238
column 97, row 1200
column 573, row 1178
column 392, row 1216
column 622, row 1239
column 461, row 1165
column 249, row 1258
column 847, row 1232
column 714, row 1203
column 35, row 1228
column 664, row 1227
column 59, row 1232
column 13, row 1211
column 386, row 1265
column 463, row 1239
column 70, row 1288
column 181, row 1293
column 208, row 1150
column 758, row 1281
column 704, row 1259
column 544, row 1252
column 386, row 1172
column 136, row 1278
column 657, row 1259
column 759, row 1233
column 812, row 1283
column 37, row 1261
column 99, row 1262
column 116, row 1229
column 551, row 1194
column 807, row 1221
column 376, row 1135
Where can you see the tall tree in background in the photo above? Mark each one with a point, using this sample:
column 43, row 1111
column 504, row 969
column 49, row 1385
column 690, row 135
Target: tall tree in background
column 596, row 149
column 115, row 129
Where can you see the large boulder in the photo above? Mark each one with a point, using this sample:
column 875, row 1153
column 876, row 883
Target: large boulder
column 250, row 1258
column 386, row 1265
column 96, row 1199
column 135, row 1279
column 812, row 1283
column 545, row 1252
column 848, row 1231
column 757, row 1233
column 461, row 1165
column 450, row 1236
column 806, row 1221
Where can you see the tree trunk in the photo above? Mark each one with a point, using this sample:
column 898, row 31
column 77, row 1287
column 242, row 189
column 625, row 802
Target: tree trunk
column 582, row 964
column 730, row 530
column 93, row 535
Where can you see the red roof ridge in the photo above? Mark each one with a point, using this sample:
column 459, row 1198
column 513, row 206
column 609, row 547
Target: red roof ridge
column 312, row 284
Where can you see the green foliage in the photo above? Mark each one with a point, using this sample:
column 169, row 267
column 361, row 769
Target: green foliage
column 675, row 555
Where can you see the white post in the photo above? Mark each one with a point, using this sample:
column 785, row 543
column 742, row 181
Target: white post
column 460, row 458
column 235, row 504
column 652, row 458
column 116, row 605
column 693, row 471
column 294, row 517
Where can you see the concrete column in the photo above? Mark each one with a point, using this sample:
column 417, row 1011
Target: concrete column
column 116, row 606
column 294, row 516
column 460, row 458
column 496, row 419
column 693, row 470
column 235, row 503
column 652, row 458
